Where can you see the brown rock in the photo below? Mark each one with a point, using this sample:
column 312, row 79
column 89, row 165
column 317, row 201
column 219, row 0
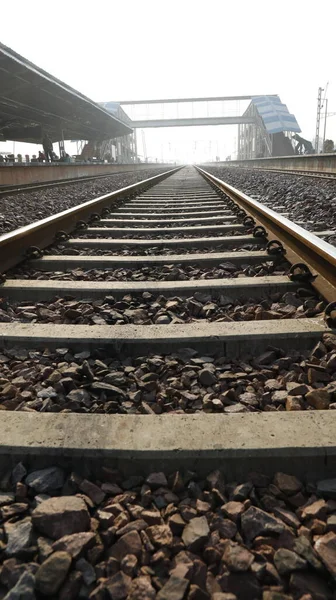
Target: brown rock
column 95, row 554
column 326, row 549
column 316, row 510
column 212, row 555
column 331, row 523
column 19, row 536
column 130, row 543
column 296, row 389
column 141, row 589
column 244, row 585
column 196, row 593
column 303, row 547
column 105, row 518
column 256, row 522
column 294, row 403
column 183, row 570
column 196, row 533
column 174, row 589
column 319, row 399
column 316, row 526
column 52, row 573
column 152, row 517
column 287, row 517
column 199, row 572
column 279, row 397
column 225, row 527
column 14, row 510
column 156, row 480
column 202, row 507
column 287, row 561
column 9, row 391
column 303, row 582
column 160, row 535
column 118, row 586
column 93, row 491
column 233, row 510
column 288, row 484
column 71, row 587
column 176, row 524
column 297, row 500
column 237, row 558
column 60, row 516
column 75, row 544
column 12, row 571
column 129, row 564
column 111, row 489
column 207, row 377
column 137, row 525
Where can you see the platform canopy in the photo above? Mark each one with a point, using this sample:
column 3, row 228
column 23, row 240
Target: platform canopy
column 33, row 102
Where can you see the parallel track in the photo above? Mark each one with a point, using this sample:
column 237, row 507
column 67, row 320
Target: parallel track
column 314, row 174
column 7, row 190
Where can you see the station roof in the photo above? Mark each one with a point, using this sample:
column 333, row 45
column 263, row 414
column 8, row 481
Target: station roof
column 32, row 100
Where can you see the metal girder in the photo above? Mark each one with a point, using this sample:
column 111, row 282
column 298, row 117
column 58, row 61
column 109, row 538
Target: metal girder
column 207, row 99
column 192, row 122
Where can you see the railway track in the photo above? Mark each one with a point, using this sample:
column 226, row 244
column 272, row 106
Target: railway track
column 6, row 190
column 165, row 327
column 189, row 231
column 301, row 172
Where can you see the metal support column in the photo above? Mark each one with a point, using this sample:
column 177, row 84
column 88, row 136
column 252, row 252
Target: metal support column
column 318, row 119
column 135, row 146
column 325, row 123
column 61, row 145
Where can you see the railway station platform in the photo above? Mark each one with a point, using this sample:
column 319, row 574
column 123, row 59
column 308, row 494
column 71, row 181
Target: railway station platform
column 17, row 175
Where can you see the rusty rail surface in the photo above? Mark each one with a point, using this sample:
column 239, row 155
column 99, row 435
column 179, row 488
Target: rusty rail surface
column 15, row 245
column 301, row 246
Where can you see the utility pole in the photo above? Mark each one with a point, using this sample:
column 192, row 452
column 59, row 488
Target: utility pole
column 320, row 105
column 325, row 123
column 318, row 119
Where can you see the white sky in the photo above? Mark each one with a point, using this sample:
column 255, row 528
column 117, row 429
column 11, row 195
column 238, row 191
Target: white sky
column 128, row 49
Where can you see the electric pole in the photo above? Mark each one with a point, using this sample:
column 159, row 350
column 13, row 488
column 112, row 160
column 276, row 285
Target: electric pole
column 320, row 105
column 318, row 119
column 325, row 123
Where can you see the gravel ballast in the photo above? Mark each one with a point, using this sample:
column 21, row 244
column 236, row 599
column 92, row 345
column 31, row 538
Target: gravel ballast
column 183, row 382
column 126, row 250
column 149, row 308
column 17, row 210
column 166, row 536
column 309, row 201
column 168, row 272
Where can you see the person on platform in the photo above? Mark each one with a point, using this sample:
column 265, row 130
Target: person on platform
column 47, row 147
column 41, row 157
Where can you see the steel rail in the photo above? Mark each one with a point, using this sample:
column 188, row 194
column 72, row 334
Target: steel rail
column 319, row 175
column 301, row 245
column 15, row 244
